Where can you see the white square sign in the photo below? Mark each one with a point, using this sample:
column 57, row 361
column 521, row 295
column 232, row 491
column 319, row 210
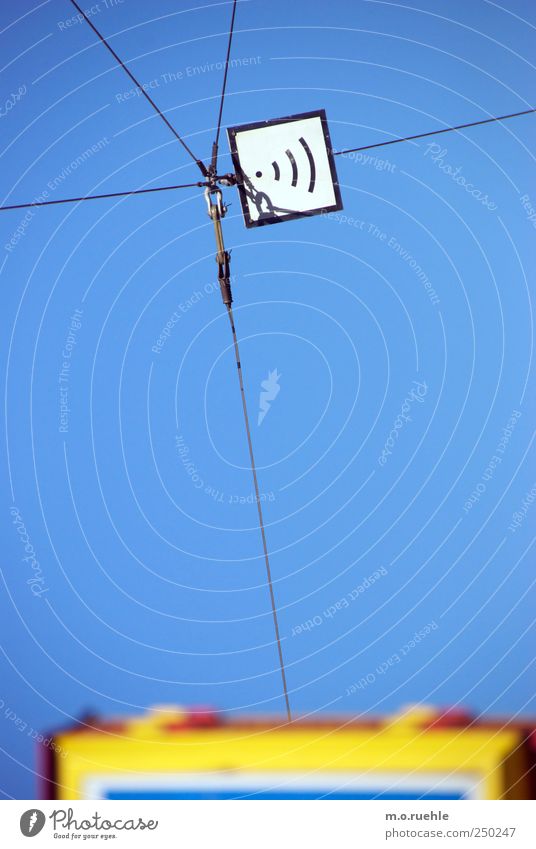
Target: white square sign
column 285, row 168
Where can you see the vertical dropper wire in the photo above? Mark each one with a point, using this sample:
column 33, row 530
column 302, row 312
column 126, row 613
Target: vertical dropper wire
column 259, row 509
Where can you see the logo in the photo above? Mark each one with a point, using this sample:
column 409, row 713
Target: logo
column 32, row 822
column 271, row 391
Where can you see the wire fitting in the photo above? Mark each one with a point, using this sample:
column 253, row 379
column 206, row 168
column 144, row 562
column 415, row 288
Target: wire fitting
column 217, row 211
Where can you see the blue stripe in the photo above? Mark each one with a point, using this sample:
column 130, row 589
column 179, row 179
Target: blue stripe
column 251, row 793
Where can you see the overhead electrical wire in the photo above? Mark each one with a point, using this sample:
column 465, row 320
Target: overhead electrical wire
column 259, row 510
column 435, row 132
column 211, row 178
column 209, row 183
column 217, row 214
column 198, row 162
column 335, row 153
column 214, row 163
column 100, row 197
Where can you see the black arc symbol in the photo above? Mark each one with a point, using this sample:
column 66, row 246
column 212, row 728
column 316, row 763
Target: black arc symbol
column 294, row 166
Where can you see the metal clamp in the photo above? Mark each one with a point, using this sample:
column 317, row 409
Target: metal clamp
column 215, row 210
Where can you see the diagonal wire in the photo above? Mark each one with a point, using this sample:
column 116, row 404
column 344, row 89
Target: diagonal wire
column 99, row 197
column 200, row 164
column 335, row 153
column 259, row 509
column 214, row 164
column 436, row 132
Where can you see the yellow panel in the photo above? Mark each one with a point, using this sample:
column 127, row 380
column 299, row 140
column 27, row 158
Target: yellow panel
column 145, row 747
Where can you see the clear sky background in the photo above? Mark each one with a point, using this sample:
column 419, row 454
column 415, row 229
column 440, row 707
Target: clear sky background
column 149, row 583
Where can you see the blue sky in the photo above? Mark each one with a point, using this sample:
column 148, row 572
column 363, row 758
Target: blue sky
column 395, row 462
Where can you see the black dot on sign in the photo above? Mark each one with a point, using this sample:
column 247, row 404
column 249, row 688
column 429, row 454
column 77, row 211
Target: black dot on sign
column 258, row 174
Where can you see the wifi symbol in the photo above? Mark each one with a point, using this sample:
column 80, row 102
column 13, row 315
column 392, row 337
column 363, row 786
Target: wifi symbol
column 294, row 166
